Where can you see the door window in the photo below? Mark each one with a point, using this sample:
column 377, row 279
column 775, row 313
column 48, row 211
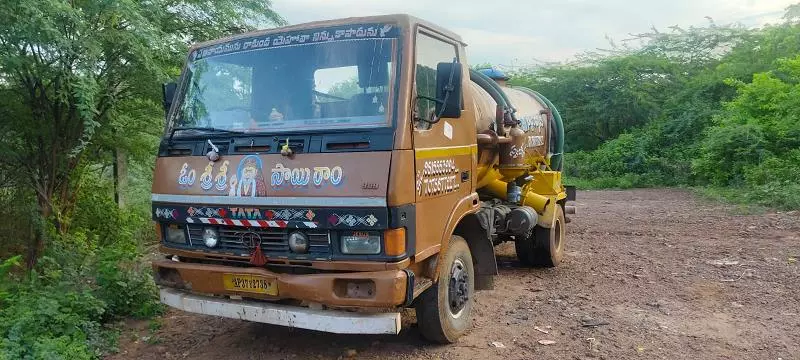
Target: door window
column 430, row 52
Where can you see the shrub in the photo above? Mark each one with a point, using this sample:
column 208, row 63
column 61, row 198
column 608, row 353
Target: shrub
column 775, row 170
column 57, row 311
column 726, row 151
column 125, row 285
column 56, row 321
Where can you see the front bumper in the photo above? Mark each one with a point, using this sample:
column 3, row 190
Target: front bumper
column 341, row 322
column 390, row 286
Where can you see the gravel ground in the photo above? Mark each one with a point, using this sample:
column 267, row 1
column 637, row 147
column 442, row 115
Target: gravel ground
column 655, row 274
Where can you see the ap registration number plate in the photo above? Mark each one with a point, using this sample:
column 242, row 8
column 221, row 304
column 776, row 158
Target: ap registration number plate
column 250, row 283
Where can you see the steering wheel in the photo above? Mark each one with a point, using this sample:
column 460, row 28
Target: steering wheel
column 329, row 96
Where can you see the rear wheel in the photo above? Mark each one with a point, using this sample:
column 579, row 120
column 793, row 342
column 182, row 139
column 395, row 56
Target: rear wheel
column 444, row 311
column 544, row 246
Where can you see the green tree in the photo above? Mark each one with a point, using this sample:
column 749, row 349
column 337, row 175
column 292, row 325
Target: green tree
column 714, row 106
column 603, row 99
column 79, row 79
column 760, row 127
column 345, row 89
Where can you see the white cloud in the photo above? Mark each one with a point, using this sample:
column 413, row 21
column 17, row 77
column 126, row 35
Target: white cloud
column 516, row 32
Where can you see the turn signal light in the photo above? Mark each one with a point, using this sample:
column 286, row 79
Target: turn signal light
column 394, row 241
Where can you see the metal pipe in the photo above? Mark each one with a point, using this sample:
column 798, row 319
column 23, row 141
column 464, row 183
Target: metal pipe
column 484, row 139
column 499, row 189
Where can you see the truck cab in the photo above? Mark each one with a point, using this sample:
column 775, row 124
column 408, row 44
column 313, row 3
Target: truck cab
column 328, row 175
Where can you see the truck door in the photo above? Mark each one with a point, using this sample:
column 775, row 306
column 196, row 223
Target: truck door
column 444, row 149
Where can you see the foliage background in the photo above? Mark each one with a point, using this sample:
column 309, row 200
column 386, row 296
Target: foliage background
column 80, row 120
column 713, row 107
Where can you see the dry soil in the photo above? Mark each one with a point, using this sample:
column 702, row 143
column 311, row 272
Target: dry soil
column 650, row 274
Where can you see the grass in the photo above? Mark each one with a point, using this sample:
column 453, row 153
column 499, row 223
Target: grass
column 627, row 181
column 756, row 199
column 747, row 199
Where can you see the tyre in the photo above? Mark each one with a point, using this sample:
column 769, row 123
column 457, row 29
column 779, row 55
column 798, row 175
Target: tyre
column 544, row 246
column 444, row 311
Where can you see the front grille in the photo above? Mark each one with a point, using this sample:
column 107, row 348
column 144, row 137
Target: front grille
column 274, row 241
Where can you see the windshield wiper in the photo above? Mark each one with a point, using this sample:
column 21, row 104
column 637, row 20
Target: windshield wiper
column 201, row 128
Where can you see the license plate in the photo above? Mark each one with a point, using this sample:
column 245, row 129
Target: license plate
column 250, row 283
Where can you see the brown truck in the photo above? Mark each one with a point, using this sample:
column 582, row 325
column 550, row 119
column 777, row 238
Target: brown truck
column 327, row 175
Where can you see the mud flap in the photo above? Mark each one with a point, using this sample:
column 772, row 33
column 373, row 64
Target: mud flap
column 571, row 193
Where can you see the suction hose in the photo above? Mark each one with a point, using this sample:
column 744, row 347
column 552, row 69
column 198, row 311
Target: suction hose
column 493, row 84
column 556, row 161
column 494, row 91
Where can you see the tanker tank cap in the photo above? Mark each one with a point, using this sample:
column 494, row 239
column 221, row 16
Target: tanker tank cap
column 494, row 74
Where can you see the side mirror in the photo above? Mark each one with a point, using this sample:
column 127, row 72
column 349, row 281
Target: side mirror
column 448, row 89
column 168, row 93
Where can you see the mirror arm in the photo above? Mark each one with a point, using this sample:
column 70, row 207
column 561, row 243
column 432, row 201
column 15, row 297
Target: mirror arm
column 431, row 99
column 431, row 121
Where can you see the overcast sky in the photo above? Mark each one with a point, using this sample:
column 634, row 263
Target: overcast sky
column 519, row 32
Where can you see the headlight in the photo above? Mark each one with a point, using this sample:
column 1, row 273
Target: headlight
column 298, row 242
column 361, row 242
column 210, row 237
column 175, row 234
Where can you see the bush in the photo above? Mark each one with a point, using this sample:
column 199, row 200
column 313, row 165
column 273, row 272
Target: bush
column 104, row 223
column 774, row 195
column 756, row 139
column 775, row 169
column 781, row 195
column 57, row 311
column 5, row 268
column 727, row 151
column 52, row 322
column 125, row 285
column 631, row 160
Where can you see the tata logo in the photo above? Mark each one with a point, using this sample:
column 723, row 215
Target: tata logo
column 246, row 213
column 249, row 240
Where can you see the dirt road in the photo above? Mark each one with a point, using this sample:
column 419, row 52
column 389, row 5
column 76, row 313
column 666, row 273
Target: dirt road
column 654, row 274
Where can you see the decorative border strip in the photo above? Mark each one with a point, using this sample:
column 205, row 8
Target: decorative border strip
column 253, row 223
column 327, row 201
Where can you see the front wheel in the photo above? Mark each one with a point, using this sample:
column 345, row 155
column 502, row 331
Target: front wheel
column 444, row 310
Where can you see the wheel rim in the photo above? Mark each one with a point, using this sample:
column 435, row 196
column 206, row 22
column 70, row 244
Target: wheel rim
column 557, row 234
column 458, row 289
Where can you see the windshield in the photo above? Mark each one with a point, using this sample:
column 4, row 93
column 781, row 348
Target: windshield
column 313, row 79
